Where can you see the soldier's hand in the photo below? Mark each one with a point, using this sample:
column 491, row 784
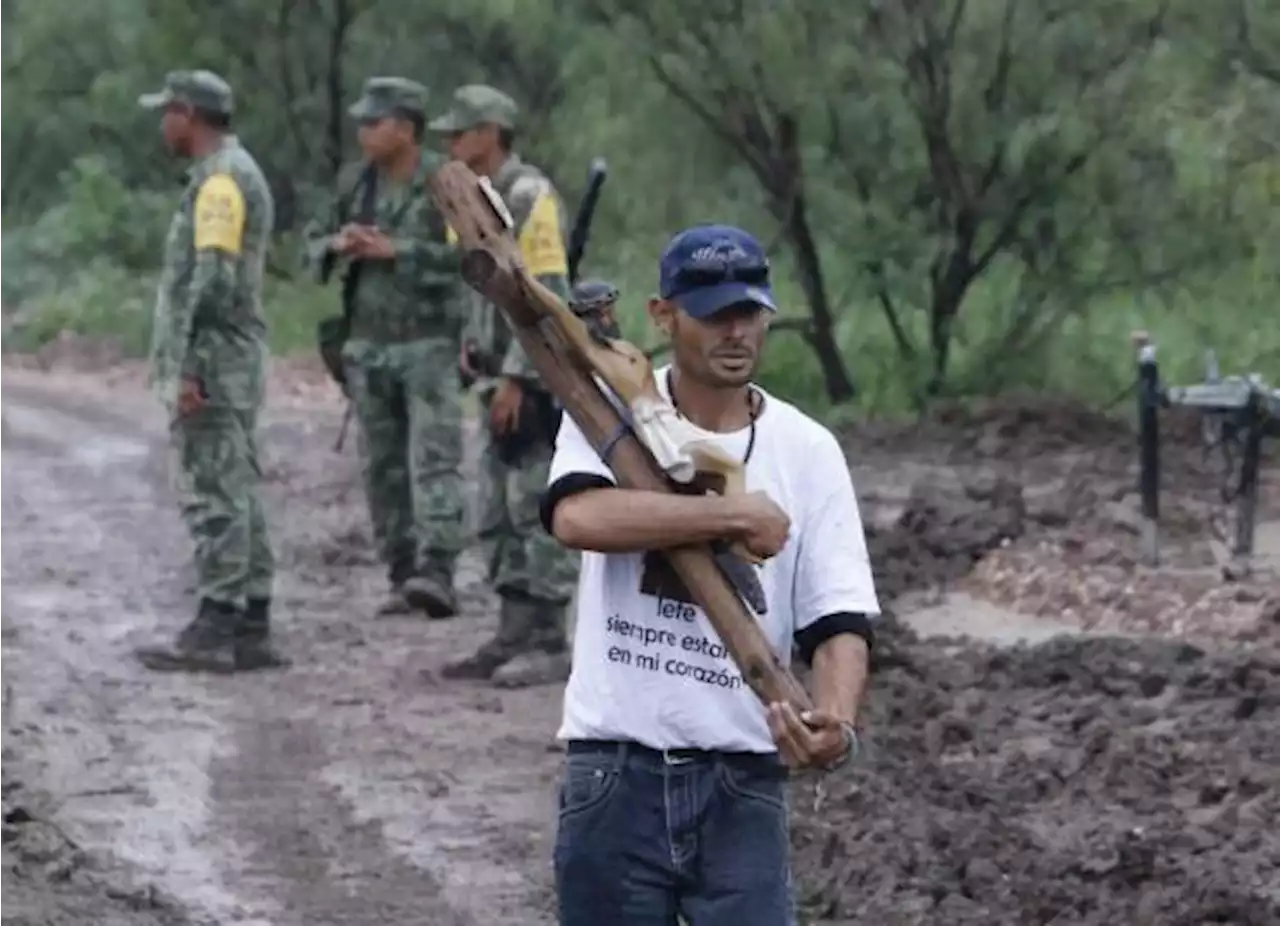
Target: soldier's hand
column 372, row 244
column 190, row 396
column 504, row 407
column 347, row 241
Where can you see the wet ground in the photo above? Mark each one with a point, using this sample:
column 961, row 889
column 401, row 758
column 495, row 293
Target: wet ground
column 352, row 789
column 1081, row 780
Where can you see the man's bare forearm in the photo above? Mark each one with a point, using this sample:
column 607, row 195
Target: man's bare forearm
column 632, row 521
column 840, row 676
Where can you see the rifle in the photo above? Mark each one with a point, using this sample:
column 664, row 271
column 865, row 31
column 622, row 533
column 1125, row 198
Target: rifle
column 596, row 176
column 332, row 332
column 1236, row 414
column 636, row 431
column 342, row 429
column 578, row 236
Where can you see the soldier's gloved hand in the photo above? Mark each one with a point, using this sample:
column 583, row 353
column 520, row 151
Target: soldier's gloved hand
column 504, row 407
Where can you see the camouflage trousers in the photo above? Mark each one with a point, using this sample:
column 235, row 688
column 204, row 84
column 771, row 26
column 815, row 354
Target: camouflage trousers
column 525, row 562
column 408, row 401
column 217, row 477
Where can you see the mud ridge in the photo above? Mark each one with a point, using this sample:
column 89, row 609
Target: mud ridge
column 51, row 880
column 1087, row 782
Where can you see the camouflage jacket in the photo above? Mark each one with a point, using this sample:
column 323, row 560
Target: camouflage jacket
column 209, row 323
column 416, row 295
column 540, row 230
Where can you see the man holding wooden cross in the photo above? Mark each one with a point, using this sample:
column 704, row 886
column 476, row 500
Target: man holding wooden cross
column 673, row 800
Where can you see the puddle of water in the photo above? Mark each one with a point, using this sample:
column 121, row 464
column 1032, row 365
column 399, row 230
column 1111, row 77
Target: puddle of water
column 962, row 615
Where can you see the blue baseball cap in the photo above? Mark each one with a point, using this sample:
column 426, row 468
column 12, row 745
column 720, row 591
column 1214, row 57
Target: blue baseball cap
column 710, row 267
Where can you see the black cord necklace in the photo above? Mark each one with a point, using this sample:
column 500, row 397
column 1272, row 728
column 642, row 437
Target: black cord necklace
column 754, row 403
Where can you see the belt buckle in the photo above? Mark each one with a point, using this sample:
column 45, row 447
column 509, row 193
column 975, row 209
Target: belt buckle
column 669, row 757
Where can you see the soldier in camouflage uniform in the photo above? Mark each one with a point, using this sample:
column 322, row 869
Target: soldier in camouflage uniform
column 208, row 367
column 533, row 575
column 400, row 356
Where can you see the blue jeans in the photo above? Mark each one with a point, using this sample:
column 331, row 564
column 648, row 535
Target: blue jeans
column 644, row 836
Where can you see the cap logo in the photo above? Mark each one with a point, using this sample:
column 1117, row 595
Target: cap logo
column 721, row 253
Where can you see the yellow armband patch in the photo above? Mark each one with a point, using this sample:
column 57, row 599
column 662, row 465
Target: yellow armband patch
column 450, row 236
column 219, row 216
column 541, row 244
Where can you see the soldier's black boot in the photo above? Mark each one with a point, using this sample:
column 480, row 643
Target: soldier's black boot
column 543, row 657
column 396, row 604
column 207, row 644
column 253, row 642
column 431, row 590
column 513, row 632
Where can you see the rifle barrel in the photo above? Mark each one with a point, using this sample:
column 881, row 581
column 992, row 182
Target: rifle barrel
column 596, row 176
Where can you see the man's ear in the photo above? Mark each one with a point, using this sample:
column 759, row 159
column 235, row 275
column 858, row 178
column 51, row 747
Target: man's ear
column 663, row 312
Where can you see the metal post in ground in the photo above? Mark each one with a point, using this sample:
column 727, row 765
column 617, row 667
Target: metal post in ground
column 1149, row 401
column 1251, row 421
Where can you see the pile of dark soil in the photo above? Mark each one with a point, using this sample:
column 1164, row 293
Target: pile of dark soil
column 941, row 533
column 1097, row 781
column 1034, row 435
column 1084, row 782
column 1035, row 508
column 1018, row 427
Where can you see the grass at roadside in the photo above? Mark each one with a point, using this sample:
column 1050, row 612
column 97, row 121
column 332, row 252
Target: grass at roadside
column 1089, row 358
column 108, row 303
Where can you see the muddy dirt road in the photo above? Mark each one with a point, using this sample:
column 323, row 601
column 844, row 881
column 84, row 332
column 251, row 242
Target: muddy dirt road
column 352, row 789
column 1084, row 781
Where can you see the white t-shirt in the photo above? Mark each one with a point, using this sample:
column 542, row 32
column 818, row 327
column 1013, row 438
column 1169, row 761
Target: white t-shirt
column 650, row 668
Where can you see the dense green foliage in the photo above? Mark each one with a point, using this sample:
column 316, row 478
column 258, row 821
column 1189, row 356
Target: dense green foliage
column 963, row 197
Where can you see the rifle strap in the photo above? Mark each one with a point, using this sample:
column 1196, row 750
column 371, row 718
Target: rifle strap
column 364, row 214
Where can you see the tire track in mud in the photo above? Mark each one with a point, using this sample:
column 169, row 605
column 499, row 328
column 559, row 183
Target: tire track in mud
column 347, row 790
column 125, row 762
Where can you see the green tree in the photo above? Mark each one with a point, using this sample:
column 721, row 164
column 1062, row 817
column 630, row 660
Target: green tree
column 954, row 189
column 934, row 144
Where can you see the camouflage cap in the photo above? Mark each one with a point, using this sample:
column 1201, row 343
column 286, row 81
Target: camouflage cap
column 202, row 89
column 476, row 104
column 593, row 301
column 386, row 96
column 592, row 295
